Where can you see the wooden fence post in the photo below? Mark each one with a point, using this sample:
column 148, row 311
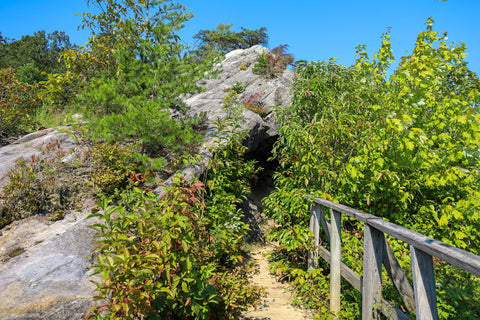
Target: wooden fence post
column 372, row 271
column 315, row 229
column 335, row 260
column 424, row 285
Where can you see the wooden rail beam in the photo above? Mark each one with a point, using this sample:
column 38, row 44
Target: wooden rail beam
column 315, row 229
column 356, row 281
column 398, row 276
column 377, row 251
column 454, row 256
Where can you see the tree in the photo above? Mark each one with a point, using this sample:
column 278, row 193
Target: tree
column 34, row 54
column 18, row 102
column 135, row 69
column 223, row 39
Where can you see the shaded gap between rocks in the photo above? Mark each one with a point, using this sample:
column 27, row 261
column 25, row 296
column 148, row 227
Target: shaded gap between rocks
column 262, row 185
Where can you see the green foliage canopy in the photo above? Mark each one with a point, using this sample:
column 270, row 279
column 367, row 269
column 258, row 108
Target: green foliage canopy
column 178, row 257
column 33, row 54
column 403, row 147
column 130, row 75
column 18, row 101
column 223, row 40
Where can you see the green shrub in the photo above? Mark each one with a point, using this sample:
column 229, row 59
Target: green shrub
column 147, row 123
column 272, row 64
column 112, row 164
column 18, row 103
column 261, row 65
column 238, row 87
column 254, row 103
column 178, row 257
column 402, row 147
column 172, row 258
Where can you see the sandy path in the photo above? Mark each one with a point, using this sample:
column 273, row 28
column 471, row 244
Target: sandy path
column 276, row 305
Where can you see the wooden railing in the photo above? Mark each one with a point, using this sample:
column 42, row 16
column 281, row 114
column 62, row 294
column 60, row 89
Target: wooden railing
column 421, row 298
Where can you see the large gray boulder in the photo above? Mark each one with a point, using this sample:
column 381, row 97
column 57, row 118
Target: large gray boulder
column 237, row 69
column 269, row 92
column 44, row 268
column 44, row 265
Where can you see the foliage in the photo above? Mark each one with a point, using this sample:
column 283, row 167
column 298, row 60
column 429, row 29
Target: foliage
column 234, row 102
column 34, row 54
column 238, row 87
column 138, row 72
column 59, row 89
column 46, row 184
column 18, row 102
column 148, row 123
column 421, row 167
column 273, row 63
column 403, row 148
column 254, row 102
column 177, row 257
column 129, row 77
column 112, row 164
column 223, row 40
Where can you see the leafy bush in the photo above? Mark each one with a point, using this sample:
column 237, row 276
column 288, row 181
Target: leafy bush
column 273, row 63
column 18, row 102
column 403, row 148
column 254, row 103
column 42, row 185
column 223, row 40
column 60, row 89
column 177, row 257
column 112, row 165
column 261, row 65
column 233, row 104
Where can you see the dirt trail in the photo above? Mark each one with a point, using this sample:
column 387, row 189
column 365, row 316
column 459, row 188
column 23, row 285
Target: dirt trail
column 276, row 305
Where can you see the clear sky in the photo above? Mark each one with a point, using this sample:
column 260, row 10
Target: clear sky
column 314, row 29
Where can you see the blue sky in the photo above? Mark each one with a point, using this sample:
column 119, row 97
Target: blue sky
column 314, row 29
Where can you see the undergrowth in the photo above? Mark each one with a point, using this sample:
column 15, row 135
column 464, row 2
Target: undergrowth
column 180, row 256
column 45, row 185
column 400, row 147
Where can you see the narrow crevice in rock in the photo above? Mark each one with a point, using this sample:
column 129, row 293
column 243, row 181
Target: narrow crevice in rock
column 261, row 186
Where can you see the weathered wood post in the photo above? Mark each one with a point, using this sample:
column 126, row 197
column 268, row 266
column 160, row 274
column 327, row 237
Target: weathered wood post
column 315, row 229
column 424, row 285
column 372, row 271
column 335, row 260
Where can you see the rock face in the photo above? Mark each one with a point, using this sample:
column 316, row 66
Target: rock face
column 266, row 92
column 44, row 271
column 44, row 266
column 29, row 145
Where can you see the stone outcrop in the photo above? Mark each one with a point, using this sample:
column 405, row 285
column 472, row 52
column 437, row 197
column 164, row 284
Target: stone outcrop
column 32, row 144
column 44, row 269
column 44, row 266
column 237, row 69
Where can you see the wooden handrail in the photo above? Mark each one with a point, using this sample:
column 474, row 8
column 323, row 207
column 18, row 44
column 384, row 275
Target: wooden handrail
column 377, row 251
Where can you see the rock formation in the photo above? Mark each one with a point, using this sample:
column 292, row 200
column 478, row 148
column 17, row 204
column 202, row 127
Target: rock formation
column 237, row 69
column 44, row 266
